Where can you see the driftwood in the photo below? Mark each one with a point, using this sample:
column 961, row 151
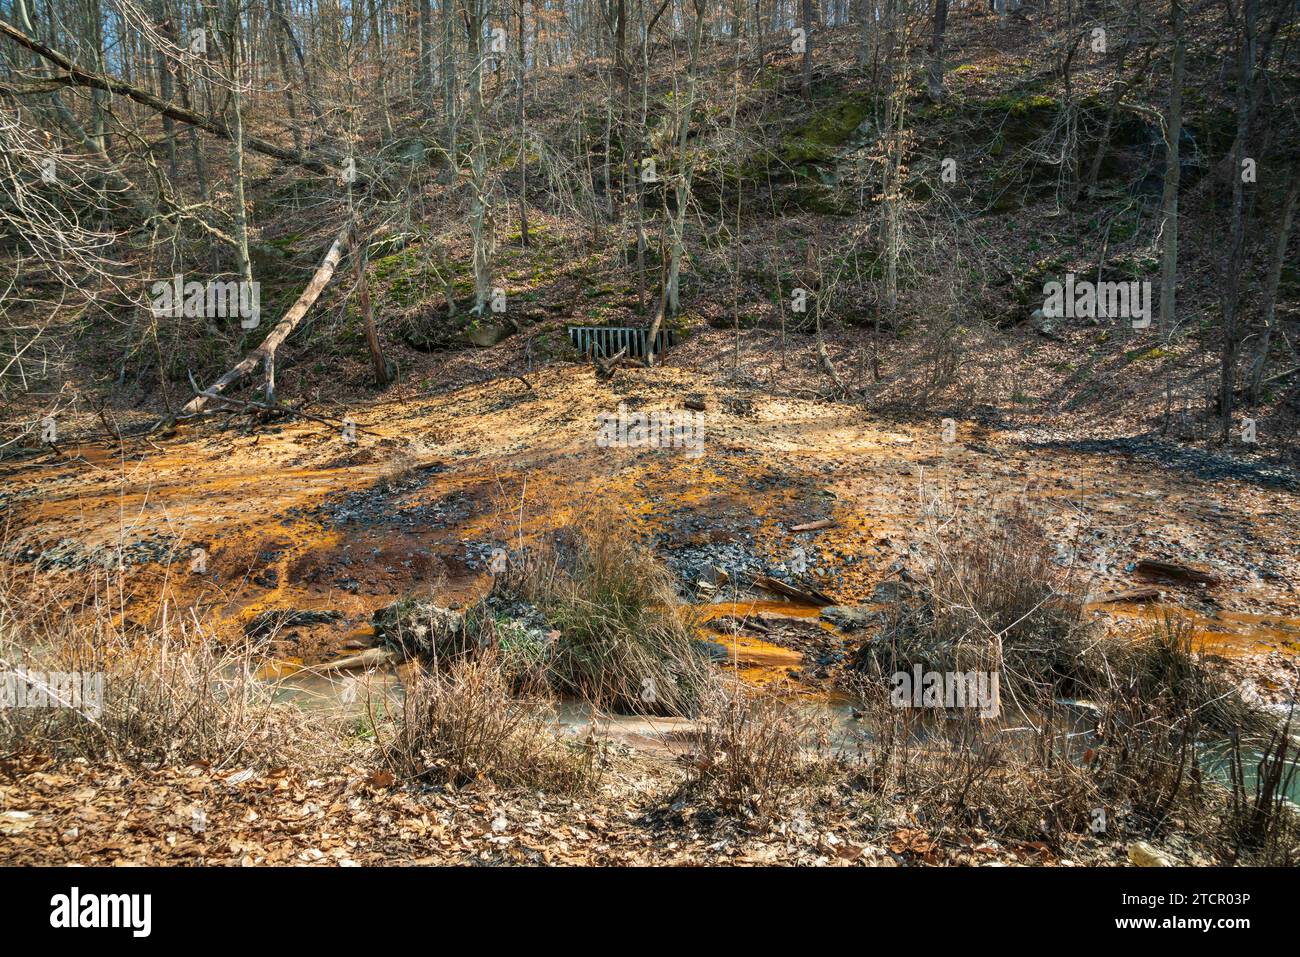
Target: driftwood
column 808, row 596
column 1133, row 595
column 1168, row 571
column 605, row 369
column 277, row 407
column 265, row 353
column 370, row 658
column 813, row 526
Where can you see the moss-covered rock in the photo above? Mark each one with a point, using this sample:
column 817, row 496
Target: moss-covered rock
column 418, row 627
column 485, row 333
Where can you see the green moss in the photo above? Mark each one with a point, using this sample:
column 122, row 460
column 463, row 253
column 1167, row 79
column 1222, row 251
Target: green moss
column 1030, row 287
column 538, row 235
column 405, row 278
column 816, row 142
column 1017, row 104
column 1017, row 118
column 1124, row 230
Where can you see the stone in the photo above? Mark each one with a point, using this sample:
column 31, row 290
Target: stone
column 848, row 617
column 1142, row 854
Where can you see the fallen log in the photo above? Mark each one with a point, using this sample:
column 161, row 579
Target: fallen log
column 806, row 595
column 278, row 409
column 370, row 658
column 1131, row 595
column 265, row 353
column 1171, row 572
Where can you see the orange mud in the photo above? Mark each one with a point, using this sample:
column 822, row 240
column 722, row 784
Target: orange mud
column 495, row 464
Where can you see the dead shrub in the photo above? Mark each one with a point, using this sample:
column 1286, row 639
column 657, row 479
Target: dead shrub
column 988, row 598
column 170, row 695
column 1134, row 749
column 752, row 750
column 462, row 725
column 1261, row 818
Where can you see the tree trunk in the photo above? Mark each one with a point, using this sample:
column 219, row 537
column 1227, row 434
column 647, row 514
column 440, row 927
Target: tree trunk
column 668, row 299
column 449, row 104
column 368, row 314
column 935, row 78
column 1236, row 249
column 234, row 28
column 424, row 73
column 1173, row 132
column 1273, row 282
column 523, row 129
column 482, row 231
column 807, row 49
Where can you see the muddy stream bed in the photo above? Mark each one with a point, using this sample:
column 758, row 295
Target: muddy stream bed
column 236, row 523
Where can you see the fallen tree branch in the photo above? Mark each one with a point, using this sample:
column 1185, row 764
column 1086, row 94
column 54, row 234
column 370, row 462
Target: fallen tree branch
column 265, row 353
column 77, row 76
column 605, row 369
column 282, row 409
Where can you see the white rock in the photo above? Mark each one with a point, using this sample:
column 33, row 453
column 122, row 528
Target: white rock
column 1142, row 854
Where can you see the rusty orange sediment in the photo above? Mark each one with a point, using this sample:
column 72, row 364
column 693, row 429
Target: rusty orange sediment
column 520, row 464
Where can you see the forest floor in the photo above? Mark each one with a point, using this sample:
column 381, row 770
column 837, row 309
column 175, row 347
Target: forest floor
column 1104, row 434
column 293, row 516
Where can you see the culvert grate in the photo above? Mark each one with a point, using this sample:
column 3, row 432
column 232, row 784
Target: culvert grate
column 607, row 341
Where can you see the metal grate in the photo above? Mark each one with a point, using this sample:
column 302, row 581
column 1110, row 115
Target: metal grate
column 608, row 341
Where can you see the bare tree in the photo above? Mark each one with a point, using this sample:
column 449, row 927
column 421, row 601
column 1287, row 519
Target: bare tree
column 1173, row 129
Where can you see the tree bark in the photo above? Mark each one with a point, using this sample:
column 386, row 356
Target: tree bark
column 1173, row 131
column 368, row 314
column 523, row 129
column 807, row 50
column 1271, row 285
column 1236, row 248
column 240, row 213
column 935, row 79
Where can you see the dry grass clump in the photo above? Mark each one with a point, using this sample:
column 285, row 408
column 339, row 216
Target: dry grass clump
column 1163, row 667
column 989, row 598
column 463, row 725
column 753, row 749
column 170, row 695
column 625, row 641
